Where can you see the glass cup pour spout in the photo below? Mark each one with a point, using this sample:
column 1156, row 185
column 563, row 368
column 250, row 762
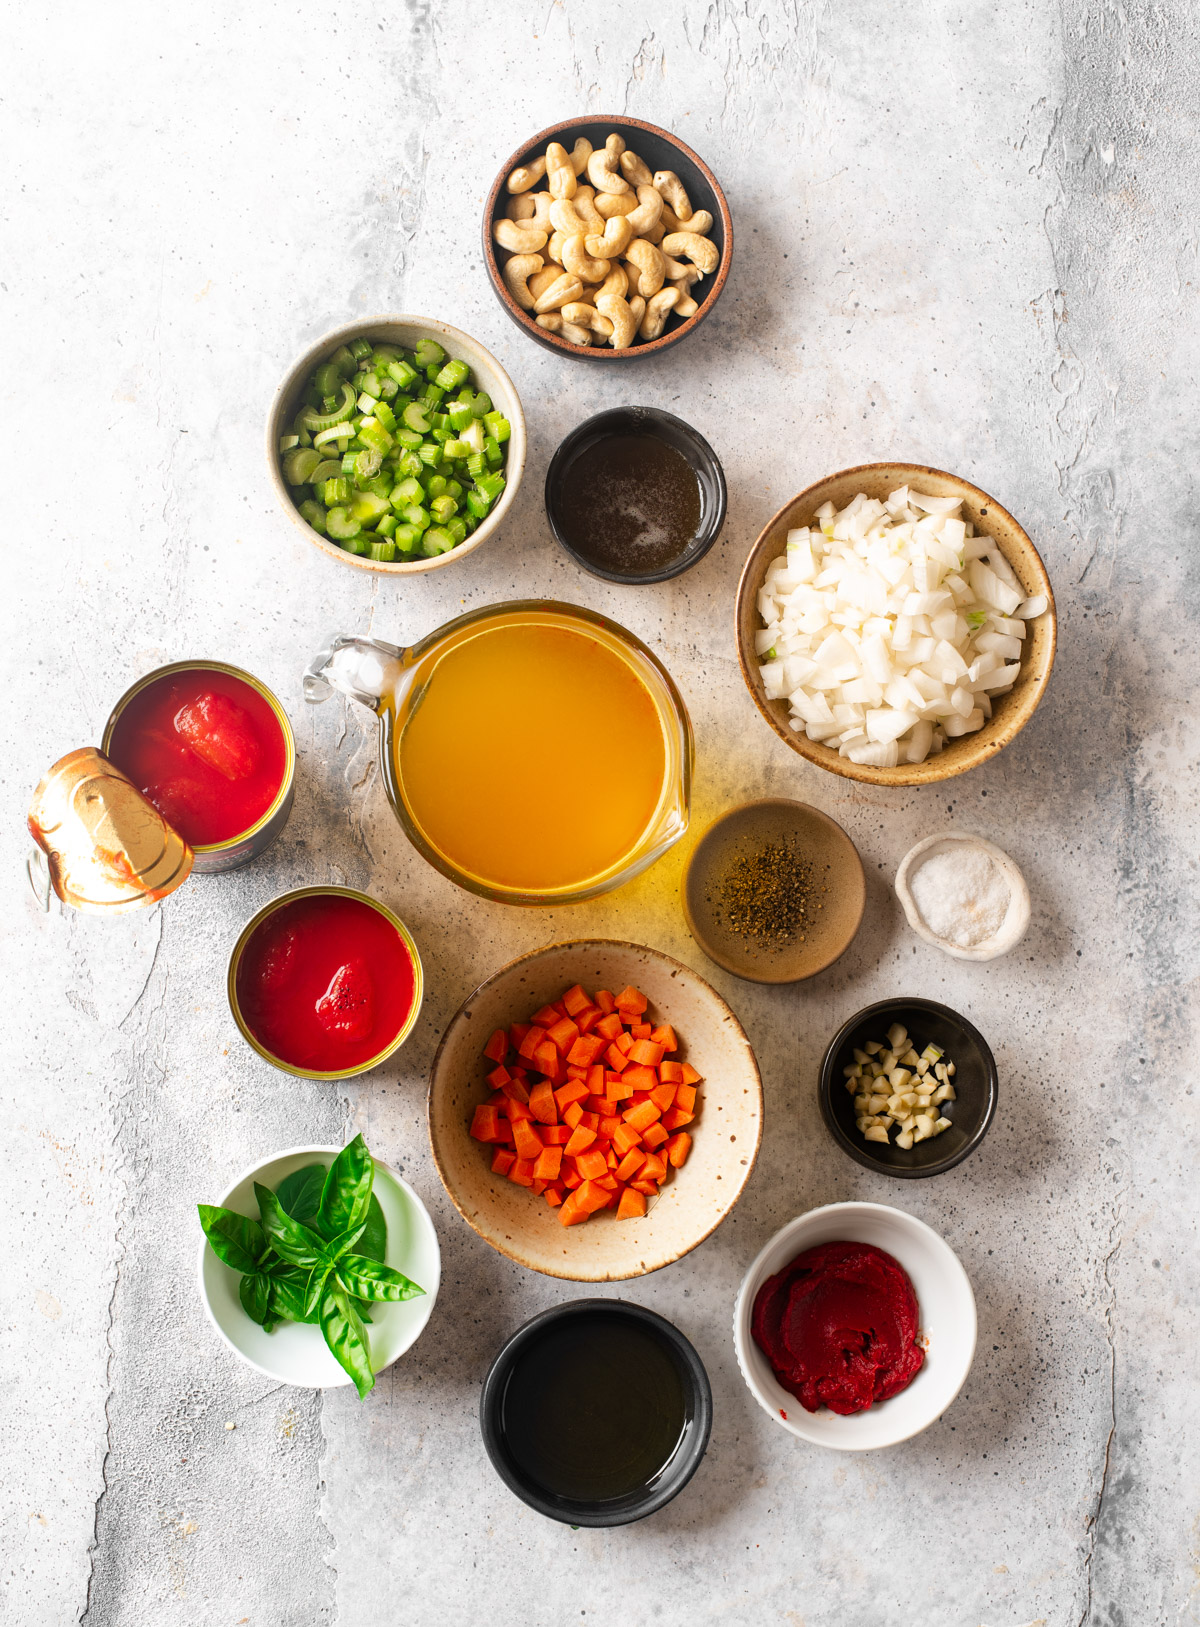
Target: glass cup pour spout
column 392, row 682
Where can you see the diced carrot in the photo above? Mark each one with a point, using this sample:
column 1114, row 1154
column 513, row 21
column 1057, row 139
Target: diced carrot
column 553, row 1196
column 516, row 1033
column 542, row 1103
column 573, row 1212
column 486, row 1125
column 538, row 1186
column 610, row 1026
column 639, row 1117
column 624, row 1139
column 665, row 1036
column 608, row 1127
column 654, row 1169
column 591, row 1164
column 647, row 1053
column 663, row 1096
column 571, row 1178
column 632, row 1205
column 631, row 999
column 677, row 1118
column 690, row 1076
column 608, row 1182
column 678, row 1148
column 516, row 1090
column 581, row 1140
column 671, row 1073
column 685, row 1097
column 575, row 1090
column 587, row 1020
column 555, row 1135
column 548, row 1164
column 575, row 999
column 648, row 1187
column 616, row 1059
column 533, row 1038
column 640, row 1031
column 615, row 1088
column 521, row 1174
column 503, row 1160
column 496, row 1048
column 528, row 1143
column 610, row 1155
column 594, row 1195
column 640, row 1076
column 546, row 1017
column 564, row 1033
column 517, row 1109
column 623, row 1043
column 499, row 1077
column 653, row 1138
column 605, row 1000
column 546, row 1058
column 591, row 1120
column 572, row 1113
column 585, row 1050
column 632, row 1161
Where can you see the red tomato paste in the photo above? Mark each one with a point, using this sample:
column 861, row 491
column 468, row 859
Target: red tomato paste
column 206, row 749
column 325, row 983
column 839, row 1327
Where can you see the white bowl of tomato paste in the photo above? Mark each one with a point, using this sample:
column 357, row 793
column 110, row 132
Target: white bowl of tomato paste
column 855, row 1326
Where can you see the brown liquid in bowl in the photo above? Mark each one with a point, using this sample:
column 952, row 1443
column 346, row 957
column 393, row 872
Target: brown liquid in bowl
column 630, row 504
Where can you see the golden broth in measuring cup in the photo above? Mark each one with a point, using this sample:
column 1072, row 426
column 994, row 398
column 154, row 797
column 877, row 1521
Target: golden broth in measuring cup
column 534, row 752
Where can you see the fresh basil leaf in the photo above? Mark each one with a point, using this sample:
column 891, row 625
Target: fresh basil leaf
column 234, row 1238
column 287, row 1299
column 316, row 1287
column 288, row 1237
column 367, row 1279
column 337, row 1246
column 254, row 1291
column 346, row 1195
column 364, row 1311
column 373, row 1242
column 299, row 1193
column 346, row 1336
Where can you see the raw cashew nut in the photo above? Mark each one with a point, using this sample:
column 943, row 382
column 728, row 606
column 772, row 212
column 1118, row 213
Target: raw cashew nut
column 541, row 210
column 521, row 207
column 527, row 175
column 637, row 308
column 671, row 187
column 602, row 167
column 565, row 218
column 618, row 235
column 587, row 316
column 585, row 208
column 516, row 273
column 619, row 314
column 554, row 247
column 617, row 282
column 541, row 280
column 579, row 263
column 674, row 268
column 701, row 251
column 648, row 212
column 560, row 171
column 553, row 322
column 649, row 263
column 636, row 170
column 519, row 237
column 580, row 153
column 561, row 291
column 685, row 305
column 658, row 308
column 609, row 204
column 653, row 234
column 699, row 221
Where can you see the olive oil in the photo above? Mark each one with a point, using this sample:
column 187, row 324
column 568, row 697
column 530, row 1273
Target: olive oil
column 594, row 1408
column 630, row 504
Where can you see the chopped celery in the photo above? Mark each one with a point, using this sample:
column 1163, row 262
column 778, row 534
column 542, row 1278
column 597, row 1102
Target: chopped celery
column 342, row 525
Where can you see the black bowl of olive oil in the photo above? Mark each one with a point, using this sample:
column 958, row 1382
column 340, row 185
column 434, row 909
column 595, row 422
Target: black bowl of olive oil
column 635, row 495
column 596, row 1412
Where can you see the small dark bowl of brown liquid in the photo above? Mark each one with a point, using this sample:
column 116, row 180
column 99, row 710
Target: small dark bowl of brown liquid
column 635, row 495
column 596, row 1412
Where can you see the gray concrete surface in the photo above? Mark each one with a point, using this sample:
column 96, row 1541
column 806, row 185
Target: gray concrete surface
column 965, row 235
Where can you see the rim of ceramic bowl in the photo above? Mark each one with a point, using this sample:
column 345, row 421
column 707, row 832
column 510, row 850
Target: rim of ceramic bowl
column 751, row 1282
column 290, row 897
column 736, row 1188
column 603, row 353
column 860, row 1151
column 571, row 446
column 297, row 373
column 287, row 784
column 675, row 1475
column 967, row 751
column 305, row 1151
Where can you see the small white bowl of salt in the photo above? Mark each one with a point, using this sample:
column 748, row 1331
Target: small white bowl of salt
column 963, row 894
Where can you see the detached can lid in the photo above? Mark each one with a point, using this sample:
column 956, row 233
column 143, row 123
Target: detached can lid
column 103, row 847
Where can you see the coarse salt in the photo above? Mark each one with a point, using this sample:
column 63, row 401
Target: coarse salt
column 961, row 894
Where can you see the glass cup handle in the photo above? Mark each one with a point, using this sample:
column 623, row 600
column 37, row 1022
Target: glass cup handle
column 363, row 668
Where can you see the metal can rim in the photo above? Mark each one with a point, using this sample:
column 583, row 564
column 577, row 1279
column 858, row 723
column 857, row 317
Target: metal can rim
column 272, row 700
column 289, row 897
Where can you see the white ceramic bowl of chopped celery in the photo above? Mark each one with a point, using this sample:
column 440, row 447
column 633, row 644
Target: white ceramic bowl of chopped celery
column 895, row 624
column 340, row 503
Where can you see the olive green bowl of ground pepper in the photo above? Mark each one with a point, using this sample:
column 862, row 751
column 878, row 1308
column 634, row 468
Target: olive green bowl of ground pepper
column 774, row 891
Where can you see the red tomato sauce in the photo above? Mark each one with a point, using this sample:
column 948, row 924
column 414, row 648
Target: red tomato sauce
column 325, row 983
column 206, row 749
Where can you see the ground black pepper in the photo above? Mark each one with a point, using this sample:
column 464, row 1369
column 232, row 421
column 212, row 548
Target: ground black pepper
column 767, row 893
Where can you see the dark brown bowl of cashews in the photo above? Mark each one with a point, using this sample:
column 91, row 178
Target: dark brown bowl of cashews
column 607, row 239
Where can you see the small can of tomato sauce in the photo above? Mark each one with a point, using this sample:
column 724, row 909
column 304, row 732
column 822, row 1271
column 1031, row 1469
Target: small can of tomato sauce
column 212, row 749
column 325, row 982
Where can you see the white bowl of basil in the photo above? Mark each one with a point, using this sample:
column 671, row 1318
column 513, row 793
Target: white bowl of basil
column 320, row 1266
